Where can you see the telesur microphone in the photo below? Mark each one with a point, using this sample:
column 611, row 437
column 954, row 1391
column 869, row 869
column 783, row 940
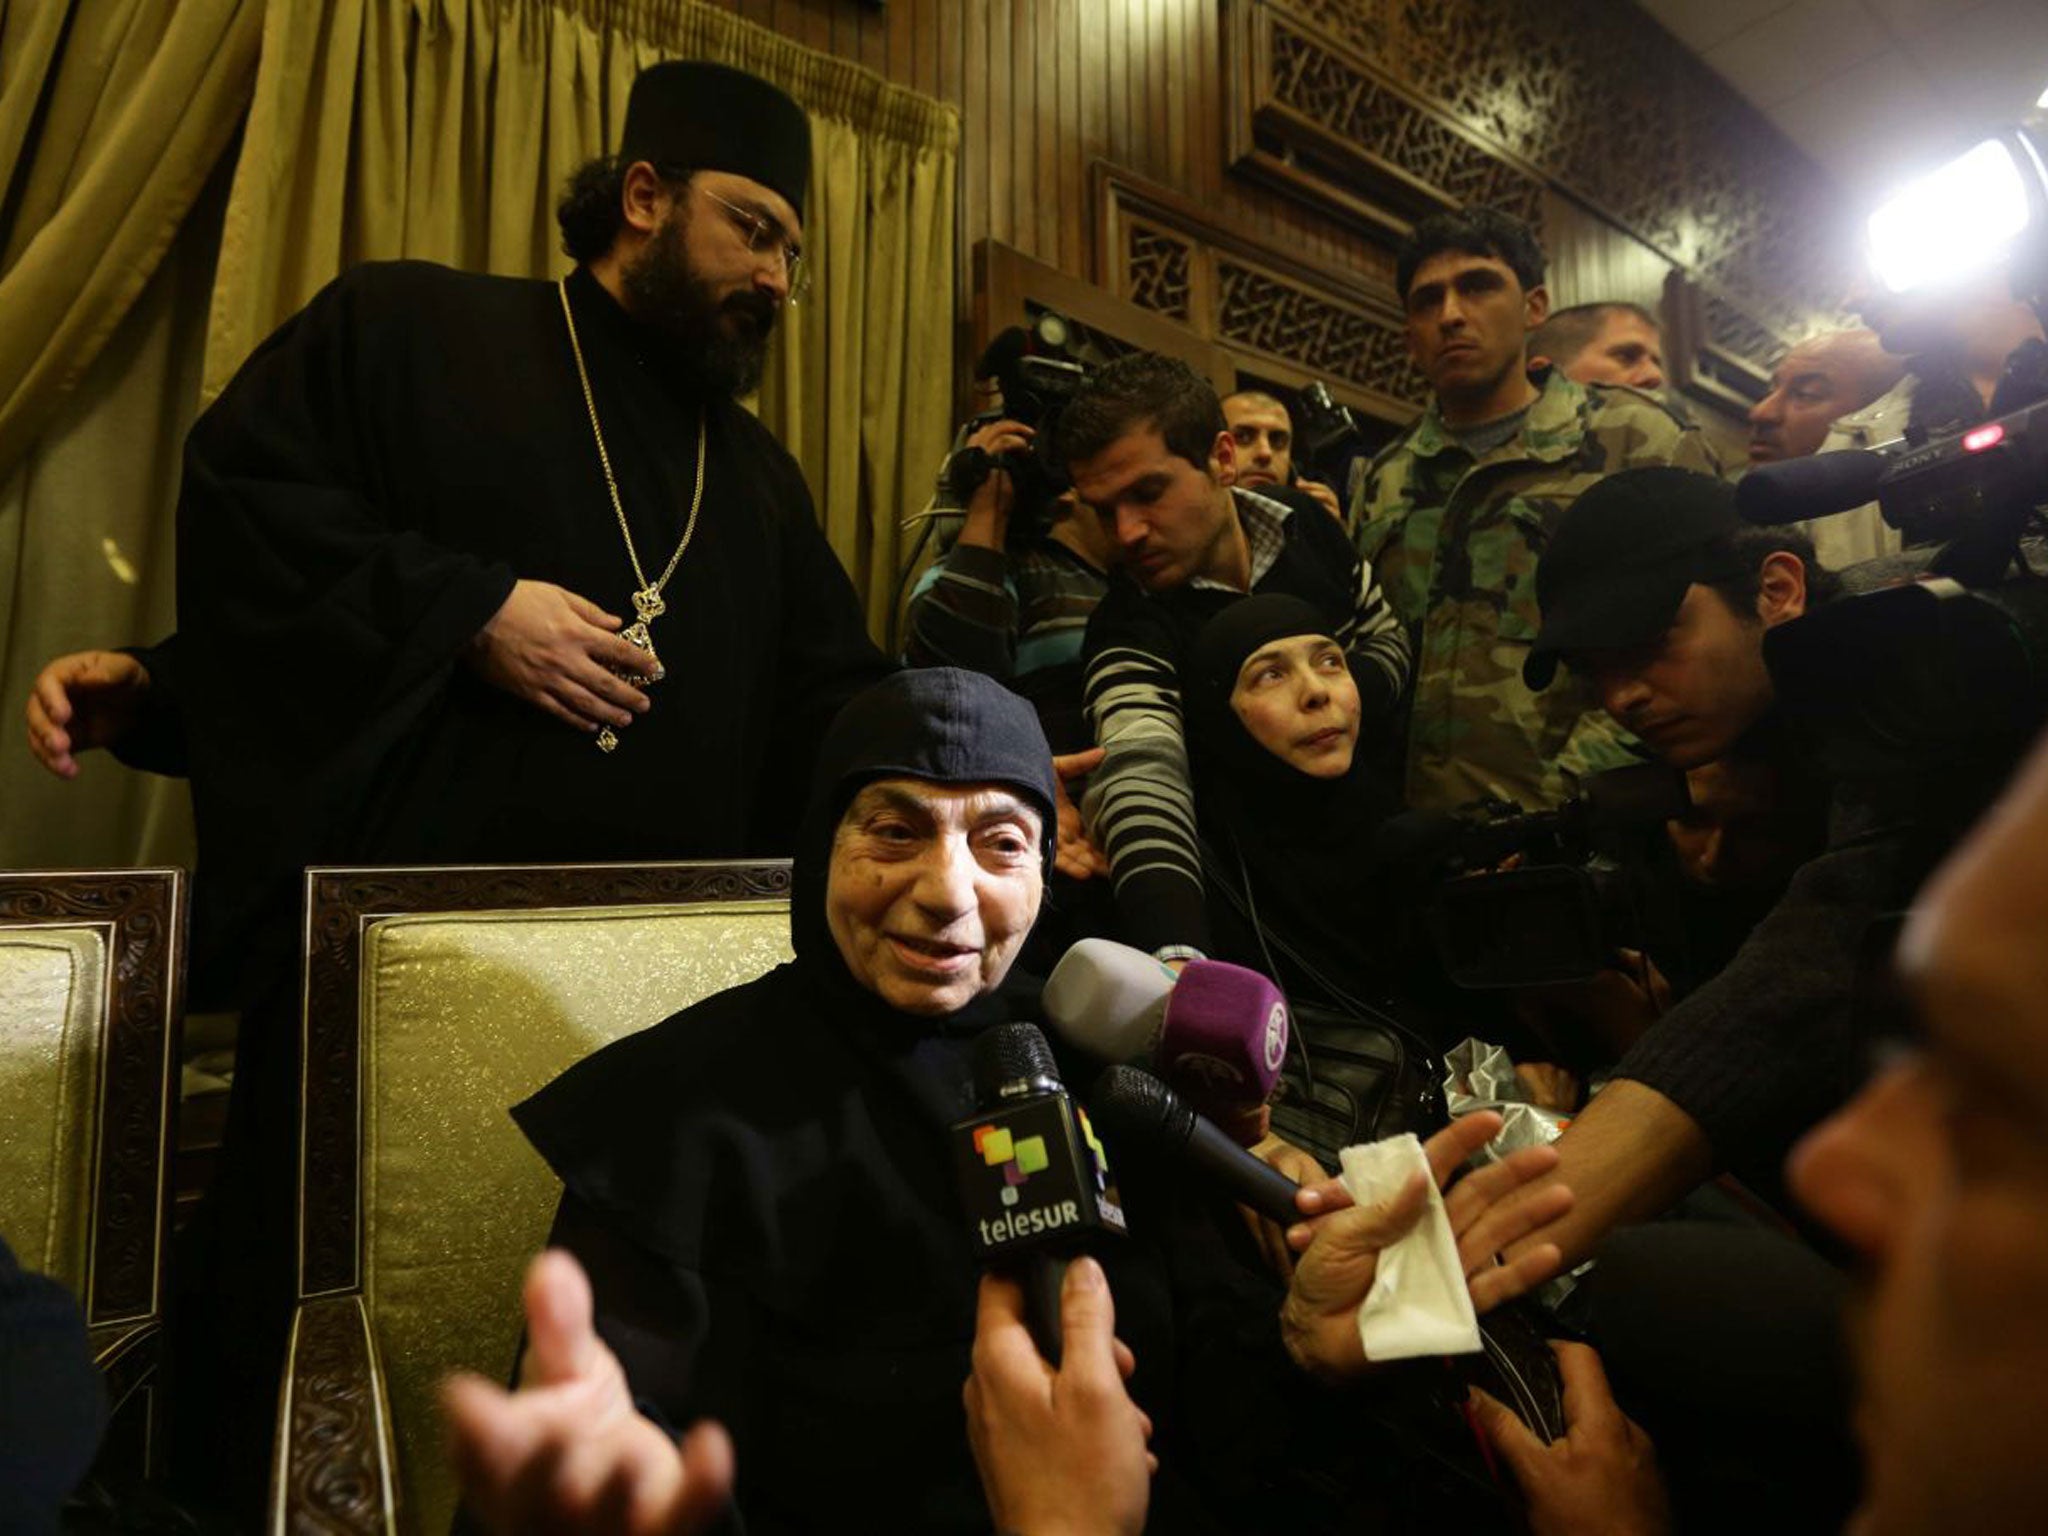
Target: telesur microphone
column 1134, row 1106
column 1034, row 1177
column 1218, row 1032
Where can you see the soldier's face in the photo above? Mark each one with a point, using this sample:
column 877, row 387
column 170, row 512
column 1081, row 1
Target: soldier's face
column 1468, row 321
column 1297, row 699
column 1937, row 1176
column 1166, row 518
column 1691, row 693
column 1626, row 350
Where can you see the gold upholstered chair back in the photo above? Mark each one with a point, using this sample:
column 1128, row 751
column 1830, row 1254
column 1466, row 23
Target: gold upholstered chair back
column 435, row 1000
column 91, row 999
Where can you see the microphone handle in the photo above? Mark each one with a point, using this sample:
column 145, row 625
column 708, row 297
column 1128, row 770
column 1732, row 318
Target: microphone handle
column 1041, row 1275
column 1266, row 1190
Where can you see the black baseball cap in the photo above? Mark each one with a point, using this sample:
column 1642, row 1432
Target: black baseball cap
column 1622, row 558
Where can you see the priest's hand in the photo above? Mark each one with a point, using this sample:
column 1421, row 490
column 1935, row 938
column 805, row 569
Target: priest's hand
column 84, row 700
column 1061, row 1452
column 1342, row 1244
column 561, row 653
column 568, row 1451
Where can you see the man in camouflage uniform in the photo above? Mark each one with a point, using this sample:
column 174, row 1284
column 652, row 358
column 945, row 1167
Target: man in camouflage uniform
column 1455, row 513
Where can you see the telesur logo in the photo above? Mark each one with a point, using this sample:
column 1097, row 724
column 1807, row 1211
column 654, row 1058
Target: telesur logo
column 1018, row 1159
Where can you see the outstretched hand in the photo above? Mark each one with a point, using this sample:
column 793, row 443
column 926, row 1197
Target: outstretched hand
column 1060, row 1451
column 562, row 653
column 1601, row 1478
column 1340, row 1243
column 84, row 700
column 568, row 1451
column 1075, row 854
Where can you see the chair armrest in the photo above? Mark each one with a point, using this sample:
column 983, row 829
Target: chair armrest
column 334, row 1471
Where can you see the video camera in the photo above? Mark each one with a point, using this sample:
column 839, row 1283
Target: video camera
column 1326, row 435
column 1039, row 372
column 1947, row 675
column 1577, row 890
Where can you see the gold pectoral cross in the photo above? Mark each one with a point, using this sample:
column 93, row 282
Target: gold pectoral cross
column 648, row 604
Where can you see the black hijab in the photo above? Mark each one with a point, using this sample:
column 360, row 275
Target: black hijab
column 1300, row 846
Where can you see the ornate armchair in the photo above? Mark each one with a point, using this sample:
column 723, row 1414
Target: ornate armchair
column 434, row 1000
column 91, row 996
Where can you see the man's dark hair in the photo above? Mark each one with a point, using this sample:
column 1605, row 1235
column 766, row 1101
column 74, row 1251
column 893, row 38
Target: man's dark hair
column 1752, row 546
column 1476, row 232
column 1138, row 390
column 1568, row 332
column 592, row 211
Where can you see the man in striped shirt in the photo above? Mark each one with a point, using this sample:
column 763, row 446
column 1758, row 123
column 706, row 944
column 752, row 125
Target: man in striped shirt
column 1149, row 452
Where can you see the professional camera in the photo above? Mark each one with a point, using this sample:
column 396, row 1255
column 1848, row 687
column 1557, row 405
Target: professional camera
column 1578, row 886
column 1326, row 435
column 1038, row 371
column 1945, row 678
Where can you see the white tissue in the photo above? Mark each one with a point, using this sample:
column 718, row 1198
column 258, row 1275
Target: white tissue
column 1418, row 1304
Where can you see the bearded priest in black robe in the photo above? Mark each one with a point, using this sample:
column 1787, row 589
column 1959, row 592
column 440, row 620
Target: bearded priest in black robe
column 483, row 569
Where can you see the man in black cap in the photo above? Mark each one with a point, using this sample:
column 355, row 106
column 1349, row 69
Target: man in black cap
column 480, row 569
column 1661, row 596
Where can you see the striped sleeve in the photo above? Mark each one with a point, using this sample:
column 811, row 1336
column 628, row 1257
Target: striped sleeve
column 963, row 613
column 1376, row 641
column 1140, row 805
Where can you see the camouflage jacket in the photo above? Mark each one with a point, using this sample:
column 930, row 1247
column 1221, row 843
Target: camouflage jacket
column 1455, row 542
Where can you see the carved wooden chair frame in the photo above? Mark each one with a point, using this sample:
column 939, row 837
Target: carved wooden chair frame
column 335, row 1469
column 141, row 915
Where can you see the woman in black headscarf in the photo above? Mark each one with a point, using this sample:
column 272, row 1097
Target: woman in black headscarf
column 1288, row 801
column 761, row 1188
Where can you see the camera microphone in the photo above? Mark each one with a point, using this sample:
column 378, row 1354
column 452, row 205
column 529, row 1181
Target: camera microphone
column 1135, row 1106
column 1034, row 1177
column 1793, row 490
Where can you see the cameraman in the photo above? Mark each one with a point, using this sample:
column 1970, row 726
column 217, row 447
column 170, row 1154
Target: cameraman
column 1012, row 596
column 1656, row 593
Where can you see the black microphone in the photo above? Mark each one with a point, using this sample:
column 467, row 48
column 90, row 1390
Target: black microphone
column 1134, row 1105
column 1793, row 490
column 1033, row 1174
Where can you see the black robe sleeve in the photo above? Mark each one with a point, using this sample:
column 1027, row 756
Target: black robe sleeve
column 155, row 743
column 314, row 629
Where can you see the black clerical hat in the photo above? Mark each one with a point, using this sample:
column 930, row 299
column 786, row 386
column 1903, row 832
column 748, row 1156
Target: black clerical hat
column 1622, row 558
column 710, row 117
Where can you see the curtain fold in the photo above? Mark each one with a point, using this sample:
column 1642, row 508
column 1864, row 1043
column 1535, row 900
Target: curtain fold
column 112, row 115
column 445, row 129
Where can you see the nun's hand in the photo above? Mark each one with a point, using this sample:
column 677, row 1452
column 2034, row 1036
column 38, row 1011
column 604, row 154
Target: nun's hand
column 1283, row 1157
column 568, row 1451
column 1075, row 854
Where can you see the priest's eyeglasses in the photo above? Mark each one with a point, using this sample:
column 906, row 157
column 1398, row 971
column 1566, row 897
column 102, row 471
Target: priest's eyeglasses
column 763, row 233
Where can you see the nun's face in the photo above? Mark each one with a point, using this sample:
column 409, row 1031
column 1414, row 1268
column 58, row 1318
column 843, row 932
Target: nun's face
column 1297, row 699
column 932, row 890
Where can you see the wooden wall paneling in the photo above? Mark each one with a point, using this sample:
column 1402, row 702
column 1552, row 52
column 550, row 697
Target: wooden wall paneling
column 1052, row 129
column 1021, row 64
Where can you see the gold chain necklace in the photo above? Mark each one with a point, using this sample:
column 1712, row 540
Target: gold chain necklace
column 647, row 600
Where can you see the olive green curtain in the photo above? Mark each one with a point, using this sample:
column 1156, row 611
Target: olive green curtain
column 444, row 129
column 113, row 114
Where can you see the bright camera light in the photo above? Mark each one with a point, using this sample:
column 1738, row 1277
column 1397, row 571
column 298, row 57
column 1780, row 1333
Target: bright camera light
column 1960, row 219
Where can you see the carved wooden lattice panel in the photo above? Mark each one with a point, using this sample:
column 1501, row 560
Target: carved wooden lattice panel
column 1269, row 314
column 1595, row 98
column 1159, row 273
column 1323, row 87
